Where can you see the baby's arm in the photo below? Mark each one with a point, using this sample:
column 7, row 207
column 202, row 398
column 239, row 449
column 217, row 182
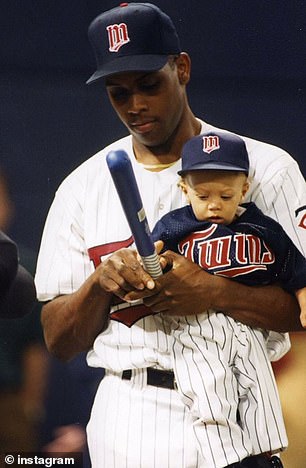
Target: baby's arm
column 301, row 297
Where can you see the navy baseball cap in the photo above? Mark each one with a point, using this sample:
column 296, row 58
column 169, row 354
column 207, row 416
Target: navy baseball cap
column 132, row 37
column 215, row 150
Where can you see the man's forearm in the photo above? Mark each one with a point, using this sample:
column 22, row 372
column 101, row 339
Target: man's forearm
column 187, row 289
column 267, row 307
column 71, row 323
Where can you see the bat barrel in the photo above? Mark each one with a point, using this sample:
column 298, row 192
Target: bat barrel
column 123, row 176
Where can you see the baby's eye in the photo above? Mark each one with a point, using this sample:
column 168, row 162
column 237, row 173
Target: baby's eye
column 226, row 197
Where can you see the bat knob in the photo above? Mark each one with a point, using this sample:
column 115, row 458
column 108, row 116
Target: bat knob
column 118, row 160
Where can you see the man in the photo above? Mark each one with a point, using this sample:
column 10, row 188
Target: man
column 138, row 418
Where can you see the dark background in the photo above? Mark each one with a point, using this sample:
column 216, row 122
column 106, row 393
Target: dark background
column 249, row 76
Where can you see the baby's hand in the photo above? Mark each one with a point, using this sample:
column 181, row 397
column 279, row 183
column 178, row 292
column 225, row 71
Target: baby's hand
column 159, row 245
column 303, row 318
column 301, row 297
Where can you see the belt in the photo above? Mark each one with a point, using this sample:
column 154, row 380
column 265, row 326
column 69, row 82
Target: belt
column 155, row 377
column 259, row 461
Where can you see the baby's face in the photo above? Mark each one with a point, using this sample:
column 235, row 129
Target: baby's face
column 215, row 195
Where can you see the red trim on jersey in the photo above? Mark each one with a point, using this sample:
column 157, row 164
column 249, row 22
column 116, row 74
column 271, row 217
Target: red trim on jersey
column 95, row 253
column 129, row 315
column 302, row 223
column 126, row 315
column 237, row 271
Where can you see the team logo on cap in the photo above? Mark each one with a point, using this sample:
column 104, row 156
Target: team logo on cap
column 117, row 36
column 210, row 143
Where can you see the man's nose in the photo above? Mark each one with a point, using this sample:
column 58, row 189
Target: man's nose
column 137, row 103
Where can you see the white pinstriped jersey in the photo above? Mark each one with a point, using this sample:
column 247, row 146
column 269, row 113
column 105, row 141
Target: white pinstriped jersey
column 86, row 215
column 225, row 378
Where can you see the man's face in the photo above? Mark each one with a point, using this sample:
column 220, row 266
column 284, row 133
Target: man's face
column 149, row 104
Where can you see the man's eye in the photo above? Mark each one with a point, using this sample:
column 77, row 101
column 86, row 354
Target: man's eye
column 150, row 86
column 118, row 94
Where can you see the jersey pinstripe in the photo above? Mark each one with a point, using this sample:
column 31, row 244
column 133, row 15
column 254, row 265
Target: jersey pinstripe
column 163, row 438
column 82, row 218
column 222, row 366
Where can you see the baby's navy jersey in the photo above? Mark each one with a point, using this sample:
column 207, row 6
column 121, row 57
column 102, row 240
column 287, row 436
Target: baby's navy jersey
column 254, row 249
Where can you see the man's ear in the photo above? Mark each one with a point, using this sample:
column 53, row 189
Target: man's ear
column 183, row 64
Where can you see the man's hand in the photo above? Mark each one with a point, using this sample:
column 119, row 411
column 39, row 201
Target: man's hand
column 122, row 273
column 185, row 289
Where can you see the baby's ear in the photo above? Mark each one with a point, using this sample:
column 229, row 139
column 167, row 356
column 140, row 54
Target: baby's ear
column 182, row 184
column 245, row 189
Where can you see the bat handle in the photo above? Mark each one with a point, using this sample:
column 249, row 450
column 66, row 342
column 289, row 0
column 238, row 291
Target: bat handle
column 152, row 266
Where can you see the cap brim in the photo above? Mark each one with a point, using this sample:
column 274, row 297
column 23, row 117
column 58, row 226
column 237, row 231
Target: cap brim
column 213, row 166
column 132, row 63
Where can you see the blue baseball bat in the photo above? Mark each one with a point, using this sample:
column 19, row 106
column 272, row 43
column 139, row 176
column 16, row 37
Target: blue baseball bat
column 124, row 179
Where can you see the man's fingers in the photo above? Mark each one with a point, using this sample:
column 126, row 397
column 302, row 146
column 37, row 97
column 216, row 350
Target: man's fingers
column 167, row 259
column 111, row 286
column 136, row 295
column 122, row 273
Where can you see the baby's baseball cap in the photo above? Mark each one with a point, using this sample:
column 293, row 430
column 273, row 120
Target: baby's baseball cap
column 215, row 150
column 132, row 37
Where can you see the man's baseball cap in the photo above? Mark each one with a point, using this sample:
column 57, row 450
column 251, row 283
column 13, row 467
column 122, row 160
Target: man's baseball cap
column 132, row 37
column 215, row 150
